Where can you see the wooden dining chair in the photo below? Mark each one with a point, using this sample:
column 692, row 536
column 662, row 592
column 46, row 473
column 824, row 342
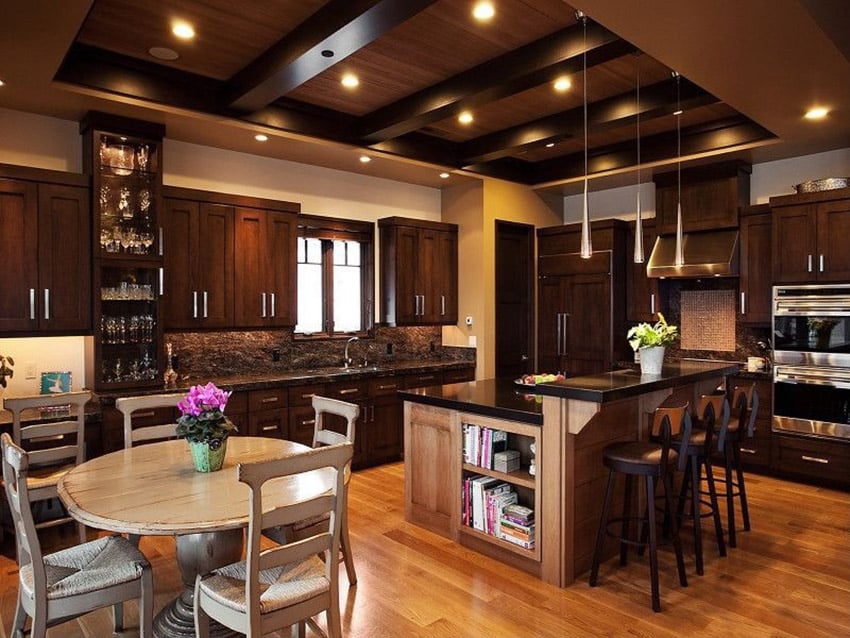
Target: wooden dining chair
column 131, row 408
column 55, row 447
column 283, row 585
column 324, row 407
column 53, row 588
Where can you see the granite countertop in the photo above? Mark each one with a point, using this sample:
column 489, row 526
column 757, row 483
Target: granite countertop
column 621, row 384
column 498, row 398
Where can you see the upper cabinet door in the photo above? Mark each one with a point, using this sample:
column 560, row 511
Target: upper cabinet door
column 251, row 295
column 447, row 284
column 794, row 244
column 756, row 271
column 214, row 265
column 281, row 270
column 833, row 256
column 64, row 258
column 180, row 230
column 19, row 280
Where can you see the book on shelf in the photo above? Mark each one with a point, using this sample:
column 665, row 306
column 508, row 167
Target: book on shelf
column 522, row 535
column 519, row 514
column 480, row 444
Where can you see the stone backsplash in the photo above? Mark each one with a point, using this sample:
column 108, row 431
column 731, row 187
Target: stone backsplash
column 246, row 352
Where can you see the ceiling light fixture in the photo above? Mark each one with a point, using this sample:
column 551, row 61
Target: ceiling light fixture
column 638, row 255
column 465, row 118
column 261, row 137
column 163, row 53
column 816, row 113
column 586, row 249
column 483, row 11
column 2, row 83
column 444, row 175
column 350, row 81
column 562, row 84
column 365, row 159
column 183, row 30
column 679, row 258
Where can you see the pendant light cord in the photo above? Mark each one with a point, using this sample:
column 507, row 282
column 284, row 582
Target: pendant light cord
column 584, row 84
column 679, row 134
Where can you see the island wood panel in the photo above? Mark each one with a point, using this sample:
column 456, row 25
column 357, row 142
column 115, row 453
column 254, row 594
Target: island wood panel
column 432, row 488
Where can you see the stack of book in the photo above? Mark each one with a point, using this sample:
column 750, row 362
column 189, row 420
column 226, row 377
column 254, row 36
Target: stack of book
column 480, row 444
column 517, row 525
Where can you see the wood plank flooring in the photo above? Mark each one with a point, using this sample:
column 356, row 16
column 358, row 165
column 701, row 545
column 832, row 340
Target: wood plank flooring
column 789, row 576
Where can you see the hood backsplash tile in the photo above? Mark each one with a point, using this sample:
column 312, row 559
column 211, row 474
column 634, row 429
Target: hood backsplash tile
column 708, row 320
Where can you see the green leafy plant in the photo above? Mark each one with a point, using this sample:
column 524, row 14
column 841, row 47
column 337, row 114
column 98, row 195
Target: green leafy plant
column 6, row 364
column 202, row 416
column 646, row 335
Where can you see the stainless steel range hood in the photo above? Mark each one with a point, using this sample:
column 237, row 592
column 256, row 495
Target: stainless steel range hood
column 712, row 253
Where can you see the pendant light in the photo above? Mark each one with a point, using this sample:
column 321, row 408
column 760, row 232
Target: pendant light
column 679, row 259
column 586, row 244
column 638, row 256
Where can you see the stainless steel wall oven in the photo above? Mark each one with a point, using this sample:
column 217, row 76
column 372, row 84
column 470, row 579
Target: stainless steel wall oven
column 811, row 373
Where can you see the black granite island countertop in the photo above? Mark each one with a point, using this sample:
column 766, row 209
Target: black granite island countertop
column 622, row 384
column 499, row 398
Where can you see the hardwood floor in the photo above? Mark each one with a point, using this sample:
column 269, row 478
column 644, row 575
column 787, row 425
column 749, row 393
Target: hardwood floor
column 789, row 576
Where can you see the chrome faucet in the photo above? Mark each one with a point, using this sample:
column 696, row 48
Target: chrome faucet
column 347, row 361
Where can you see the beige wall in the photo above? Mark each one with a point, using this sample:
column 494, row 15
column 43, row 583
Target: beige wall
column 476, row 208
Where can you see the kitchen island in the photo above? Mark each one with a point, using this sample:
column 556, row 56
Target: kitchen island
column 563, row 426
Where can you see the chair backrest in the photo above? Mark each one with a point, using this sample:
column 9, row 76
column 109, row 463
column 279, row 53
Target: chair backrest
column 324, row 406
column 15, row 468
column 130, row 405
column 55, row 442
column 667, row 422
column 333, row 458
column 713, row 413
column 745, row 400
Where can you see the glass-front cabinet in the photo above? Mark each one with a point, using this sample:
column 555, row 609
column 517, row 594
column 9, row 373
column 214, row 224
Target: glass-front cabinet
column 124, row 159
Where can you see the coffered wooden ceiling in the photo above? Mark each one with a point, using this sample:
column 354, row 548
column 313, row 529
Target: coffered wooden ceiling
column 278, row 65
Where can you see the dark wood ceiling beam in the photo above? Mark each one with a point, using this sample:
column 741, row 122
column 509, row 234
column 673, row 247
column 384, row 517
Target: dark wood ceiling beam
column 524, row 68
column 340, row 26
column 656, row 100
column 703, row 138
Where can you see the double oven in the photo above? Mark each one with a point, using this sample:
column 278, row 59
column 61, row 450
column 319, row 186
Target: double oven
column 811, row 372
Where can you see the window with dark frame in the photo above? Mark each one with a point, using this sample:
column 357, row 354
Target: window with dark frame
column 335, row 277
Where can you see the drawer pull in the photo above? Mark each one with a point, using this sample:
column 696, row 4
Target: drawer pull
column 308, row 396
column 266, row 428
column 349, row 391
column 388, row 387
column 747, row 450
column 431, row 378
column 269, row 400
column 143, row 415
column 309, row 422
column 814, row 459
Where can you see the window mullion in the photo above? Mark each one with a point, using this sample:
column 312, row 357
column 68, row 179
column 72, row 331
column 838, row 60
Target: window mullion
column 328, row 284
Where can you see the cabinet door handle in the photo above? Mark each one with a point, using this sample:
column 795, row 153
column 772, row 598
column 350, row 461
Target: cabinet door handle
column 32, row 304
column 263, row 304
column 161, row 282
column 652, row 303
column 205, row 304
column 743, row 302
column 416, row 305
column 195, row 304
column 810, row 264
column 269, row 400
column 272, row 295
column 443, row 305
column 348, row 391
column 747, row 450
column 373, row 414
column 161, row 242
column 814, row 459
column 47, row 303
column 558, row 334
column 821, row 262
column 423, row 305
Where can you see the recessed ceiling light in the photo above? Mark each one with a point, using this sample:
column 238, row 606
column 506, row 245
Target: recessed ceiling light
column 2, row 83
column 550, row 145
column 816, row 113
column 465, row 117
column 365, row 159
column 562, row 84
column 444, row 175
column 483, row 11
column 260, row 137
column 163, row 53
column 349, row 81
column 183, row 30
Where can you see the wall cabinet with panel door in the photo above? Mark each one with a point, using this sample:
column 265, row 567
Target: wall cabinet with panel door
column 198, row 259
column 642, row 298
column 810, row 237
column 756, row 278
column 418, row 272
column 46, row 231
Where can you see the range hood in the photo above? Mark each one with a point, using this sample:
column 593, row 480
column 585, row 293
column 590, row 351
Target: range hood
column 712, row 253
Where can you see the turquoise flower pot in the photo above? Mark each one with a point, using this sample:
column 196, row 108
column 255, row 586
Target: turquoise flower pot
column 206, row 457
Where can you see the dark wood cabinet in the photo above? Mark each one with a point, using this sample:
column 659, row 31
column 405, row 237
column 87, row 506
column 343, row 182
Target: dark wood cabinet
column 46, row 232
column 265, row 268
column 755, row 451
column 198, row 261
column 642, row 298
column 756, row 265
column 809, row 237
column 267, row 413
column 811, row 458
column 418, row 272
column 581, row 302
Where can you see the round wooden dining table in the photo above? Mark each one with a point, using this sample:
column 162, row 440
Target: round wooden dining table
column 154, row 489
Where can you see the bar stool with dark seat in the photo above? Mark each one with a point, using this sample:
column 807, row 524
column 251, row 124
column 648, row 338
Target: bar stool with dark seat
column 745, row 405
column 654, row 461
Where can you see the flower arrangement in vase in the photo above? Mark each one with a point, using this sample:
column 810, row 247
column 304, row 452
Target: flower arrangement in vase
column 203, row 424
column 650, row 340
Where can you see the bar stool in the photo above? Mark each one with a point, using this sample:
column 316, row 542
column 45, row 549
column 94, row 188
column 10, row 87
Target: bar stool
column 745, row 402
column 653, row 460
column 697, row 450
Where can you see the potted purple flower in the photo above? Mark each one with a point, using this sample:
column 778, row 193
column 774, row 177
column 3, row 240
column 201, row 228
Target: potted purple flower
column 204, row 425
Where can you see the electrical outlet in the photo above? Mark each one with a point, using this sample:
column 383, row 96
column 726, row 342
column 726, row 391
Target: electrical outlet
column 473, row 341
column 276, row 354
column 30, row 371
